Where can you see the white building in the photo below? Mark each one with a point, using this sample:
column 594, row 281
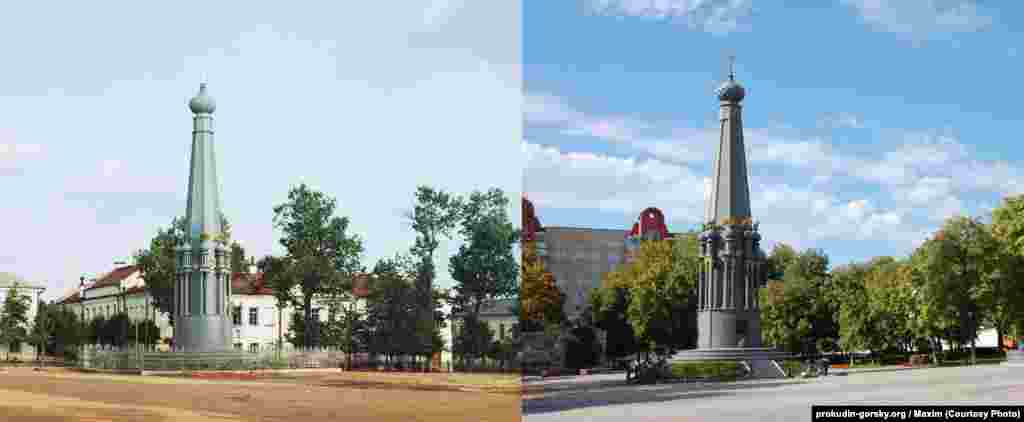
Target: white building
column 258, row 321
column 8, row 283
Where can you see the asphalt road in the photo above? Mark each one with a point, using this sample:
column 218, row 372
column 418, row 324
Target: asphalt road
column 602, row 398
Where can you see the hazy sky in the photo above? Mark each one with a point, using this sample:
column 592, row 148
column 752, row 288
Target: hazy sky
column 362, row 100
column 867, row 122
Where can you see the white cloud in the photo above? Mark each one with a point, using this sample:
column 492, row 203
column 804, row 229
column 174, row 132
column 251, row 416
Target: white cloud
column 806, row 188
column 714, row 16
column 13, row 155
column 556, row 179
column 920, row 20
column 840, row 120
column 547, row 109
column 110, row 167
column 928, row 189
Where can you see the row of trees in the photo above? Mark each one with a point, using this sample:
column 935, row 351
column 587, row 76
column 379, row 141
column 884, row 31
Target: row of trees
column 322, row 259
column 968, row 276
column 965, row 278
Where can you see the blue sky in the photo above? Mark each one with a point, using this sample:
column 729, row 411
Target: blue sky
column 867, row 122
column 362, row 100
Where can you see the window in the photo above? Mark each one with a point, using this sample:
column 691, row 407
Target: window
column 236, row 317
column 238, row 346
column 254, row 347
column 316, row 314
column 254, row 317
column 501, row 331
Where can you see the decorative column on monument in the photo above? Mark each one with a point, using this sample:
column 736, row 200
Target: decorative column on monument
column 202, row 288
column 730, row 245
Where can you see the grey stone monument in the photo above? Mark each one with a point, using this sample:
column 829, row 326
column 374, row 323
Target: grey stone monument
column 728, row 318
column 203, row 288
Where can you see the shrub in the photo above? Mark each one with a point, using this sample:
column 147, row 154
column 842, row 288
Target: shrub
column 894, row 358
column 720, row 370
column 791, row 367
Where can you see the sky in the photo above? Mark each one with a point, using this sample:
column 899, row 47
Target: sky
column 361, row 100
column 867, row 122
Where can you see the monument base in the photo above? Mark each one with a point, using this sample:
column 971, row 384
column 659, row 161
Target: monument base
column 1015, row 357
column 760, row 360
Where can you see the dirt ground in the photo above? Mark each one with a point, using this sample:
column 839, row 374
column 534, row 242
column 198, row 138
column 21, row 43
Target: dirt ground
column 63, row 395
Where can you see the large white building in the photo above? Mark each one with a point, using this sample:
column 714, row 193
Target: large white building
column 8, row 283
column 258, row 321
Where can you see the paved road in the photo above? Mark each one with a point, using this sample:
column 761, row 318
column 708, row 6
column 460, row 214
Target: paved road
column 600, row 398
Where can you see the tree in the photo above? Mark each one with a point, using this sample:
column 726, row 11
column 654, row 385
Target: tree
column 323, row 257
column 609, row 305
column 94, row 331
column 484, row 268
column 583, row 350
column 61, row 330
column 796, row 313
column 1003, row 291
column 953, row 265
column 1008, row 223
column 779, row 259
column 278, row 276
column 540, row 302
column 117, row 330
column 14, row 318
column 158, row 264
column 435, row 215
column 391, row 310
column 474, row 338
column 238, row 259
column 656, row 288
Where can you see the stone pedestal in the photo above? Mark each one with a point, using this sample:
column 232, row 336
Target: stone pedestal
column 1015, row 357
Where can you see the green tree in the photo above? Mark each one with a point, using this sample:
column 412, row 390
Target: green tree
column 118, row 330
column 657, row 290
column 14, row 318
column 609, row 305
column 796, row 312
column 473, row 339
column 94, row 330
column 238, row 259
column 779, row 259
column 484, row 269
column 857, row 329
column 60, row 329
column 435, row 215
column 583, row 350
column 953, row 265
column 1003, row 292
column 323, row 257
column 391, row 310
column 1008, row 223
column 279, row 277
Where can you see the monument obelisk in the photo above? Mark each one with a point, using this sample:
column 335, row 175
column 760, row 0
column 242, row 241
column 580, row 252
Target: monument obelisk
column 728, row 318
column 202, row 289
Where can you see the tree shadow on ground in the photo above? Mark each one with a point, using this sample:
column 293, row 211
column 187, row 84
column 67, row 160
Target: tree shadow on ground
column 580, row 398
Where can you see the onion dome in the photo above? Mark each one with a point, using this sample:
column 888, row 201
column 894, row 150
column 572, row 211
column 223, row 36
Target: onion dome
column 202, row 103
column 731, row 91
